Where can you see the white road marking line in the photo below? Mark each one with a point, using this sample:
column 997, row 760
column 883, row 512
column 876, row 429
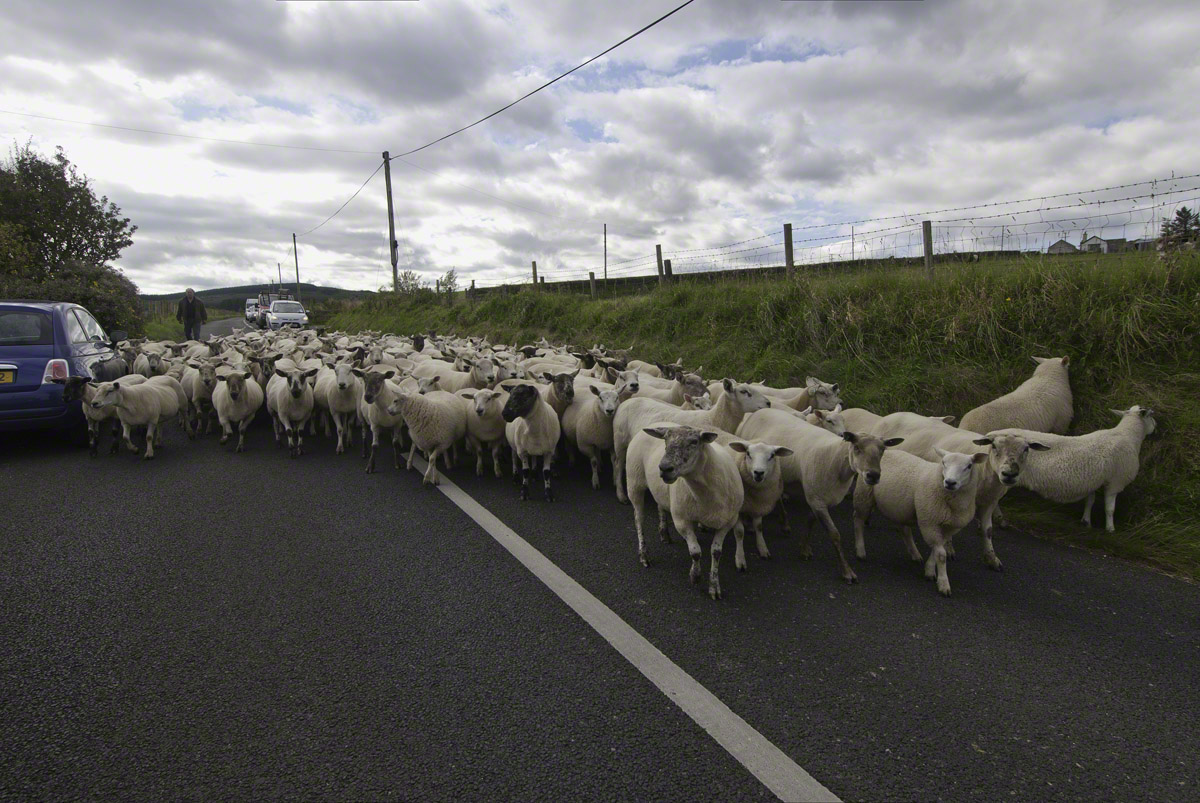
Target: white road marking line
column 766, row 762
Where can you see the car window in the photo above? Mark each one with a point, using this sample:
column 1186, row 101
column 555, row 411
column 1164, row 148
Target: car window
column 90, row 325
column 287, row 306
column 25, row 328
column 75, row 333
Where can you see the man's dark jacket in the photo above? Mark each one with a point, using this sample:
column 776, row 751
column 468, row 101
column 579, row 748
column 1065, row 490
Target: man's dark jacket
column 191, row 311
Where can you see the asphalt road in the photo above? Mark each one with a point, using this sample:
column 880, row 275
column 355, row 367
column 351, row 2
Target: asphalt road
column 218, row 625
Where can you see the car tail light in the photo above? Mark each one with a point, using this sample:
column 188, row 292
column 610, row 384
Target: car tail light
column 56, row 371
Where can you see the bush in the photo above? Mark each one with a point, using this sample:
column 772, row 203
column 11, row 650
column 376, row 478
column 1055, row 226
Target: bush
column 105, row 291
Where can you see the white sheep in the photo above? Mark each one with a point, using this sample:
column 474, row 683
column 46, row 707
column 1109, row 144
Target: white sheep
column 588, row 425
column 1076, row 467
column 692, row 478
column 532, row 431
column 150, row 364
column 485, row 425
column 815, row 393
column 290, row 403
column 236, row 400
column 436, row 422
column 199, row 380
column 373, row 404
column 148, row 404
column 336, row 393
column 81, row 389
column 1042, row 403
column 938, row 497
column 823, row 464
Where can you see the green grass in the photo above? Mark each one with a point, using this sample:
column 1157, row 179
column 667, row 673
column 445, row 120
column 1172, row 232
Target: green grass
column 171, row 329
column 898, row 340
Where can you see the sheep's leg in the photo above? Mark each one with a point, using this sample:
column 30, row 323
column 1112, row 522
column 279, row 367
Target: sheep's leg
column 431, row 475
column 1110, row 507
column 759, row 541
column 619, row 476
column 823, row 514
column 664, row 530
column 526, row 477
column 806, row 552
column 243, row 425
column 475, row 446
column 277, row 425
column 516, row 467
column 151, row 432
column 208, row 418
column 374, row 447
column 739, row 552
column 226, row 431
column 289, row 429
column 93, row 436
column 116, row 433
column 985, row 530
column 936, row 565
column 497, row 450
column 340, row 428
column 714, row 577
column 637, row 497
column 863, row 503
column 127, row 436
column 397, row 447
column 1087, row 508
column 784, row 525
column 911, row 545
column 325, row 416
column 688, row 532
column 949, row 546
column 365, row 427
column 547, row 468
column 300, row 435
column 446, row 458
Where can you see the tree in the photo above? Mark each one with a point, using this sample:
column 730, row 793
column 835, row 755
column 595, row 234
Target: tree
column 409, row 282
column 1185, row 226
column 56, row 238
column 449, row 281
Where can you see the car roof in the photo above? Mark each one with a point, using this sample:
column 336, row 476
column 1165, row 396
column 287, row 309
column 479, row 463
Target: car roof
column 45, row 306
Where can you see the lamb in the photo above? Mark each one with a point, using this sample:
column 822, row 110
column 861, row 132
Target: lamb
column 79, row 388
column 149, row 364
column 588, row 425
column 1042, row 403
column 436, row 422
column 694, row 479
column 336, row 393
column 377, row 395
column 290, row 403
column 147, row 404
column 1078, row 466
column 938, row 497
column 236, row 399
column 823, row 464
column 733, row 402
column 762, row 485
column 199, row 380
column 1007, row 454
column 485, row 425
column 532, row 431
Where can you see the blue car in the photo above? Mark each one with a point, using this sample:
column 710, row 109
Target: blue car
column 41, row 344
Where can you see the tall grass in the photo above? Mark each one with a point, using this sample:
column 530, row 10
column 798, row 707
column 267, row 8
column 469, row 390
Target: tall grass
column 167, row 328
column 897, row 339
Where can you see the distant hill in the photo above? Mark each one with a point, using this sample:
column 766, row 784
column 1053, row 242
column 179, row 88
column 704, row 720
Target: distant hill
column 234, row 298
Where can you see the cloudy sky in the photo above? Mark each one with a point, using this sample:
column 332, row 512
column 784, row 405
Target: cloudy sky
column 717, row 125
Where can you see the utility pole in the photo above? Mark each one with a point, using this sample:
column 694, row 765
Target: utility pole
column 851, row 243
column 296, row 254
column 279, row 268
column 387, row 182
column 606, row 255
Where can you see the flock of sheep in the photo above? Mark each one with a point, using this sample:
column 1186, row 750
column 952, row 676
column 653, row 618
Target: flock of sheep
column 713, row 456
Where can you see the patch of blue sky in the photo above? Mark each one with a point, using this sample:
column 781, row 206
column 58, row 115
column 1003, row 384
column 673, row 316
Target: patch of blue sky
column 301, row 109
column 358, row 112
column 192, row 110
column 588, row 131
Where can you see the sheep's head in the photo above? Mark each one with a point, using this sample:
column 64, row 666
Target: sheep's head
column 108, row 394
column 692, row 384
column 484, row 371
column 373, row 382
column 829, row 420
column 609, row 400
column 235, row 383
column 343, row 375
column 297, row 381
column 1144, row 413
column 627, row 383
column 682, row 450
column 425, row 384
column 208, row 373
column 521, row 401
column 482, row 400
column 958, row 468
column 564, row 385
column 760, row 459
column 697, row 402
column 822, row 395
column 1006, row 454
column 74, row 387
column 747, row 397
column 865, row 453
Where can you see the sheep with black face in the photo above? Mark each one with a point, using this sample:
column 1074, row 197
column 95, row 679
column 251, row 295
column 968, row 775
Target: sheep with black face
column 532, row 430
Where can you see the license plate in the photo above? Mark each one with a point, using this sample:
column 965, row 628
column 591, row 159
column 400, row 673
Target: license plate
column 7, row 376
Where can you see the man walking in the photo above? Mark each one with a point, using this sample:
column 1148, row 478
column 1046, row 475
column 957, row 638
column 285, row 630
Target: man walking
column 191, row 313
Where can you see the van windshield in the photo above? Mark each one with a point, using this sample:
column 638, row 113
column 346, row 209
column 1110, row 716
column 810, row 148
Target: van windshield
column 287, row 306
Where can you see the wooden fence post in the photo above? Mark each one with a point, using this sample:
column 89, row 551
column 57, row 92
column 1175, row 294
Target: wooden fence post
column 592, row 283
column 667, row 269
column 662, row 278
column 787, row 249
column 927, row 237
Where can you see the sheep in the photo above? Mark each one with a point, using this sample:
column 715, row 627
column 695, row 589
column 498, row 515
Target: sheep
column 704, row 402
column 336, row 393
column 734, row 401
column 1042, row 403
column 588, row 425
column 436, row 422
column 199, row 381
column 683, row 386
column 762, row 485
column 81, row 389
column 532, row 430
column 290, row 403
column 823, row 464
column 938, row 497
column 147, row 404
column 560, row 392
column 485, row 425
column 482, row 374
column 696, row 481
column 149, row 364
column 373, row 413
column 1007, row 454
column 815, row 393
column 236, row 399
column 1076, row 467
column 858, row 419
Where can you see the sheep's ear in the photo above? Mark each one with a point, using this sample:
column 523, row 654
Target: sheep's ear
column 1066, row 360
column 947, row 419
column 1118, row 412
column 890, row 442
column 434, row 380
column 389, row 373
column 116, row 385
column 811, row 381
column 688, row 398
column 360, row 373
column 195, row 365
column 982, row 441
column 656, row 432
column 220, row 379
column 311, row 372
column 708, row 437
column 727, row 383
column 468, row 394
column 738, row 446
column 979, row 457
column 838, row 408
column 281, row 372
column 1038, row 447
column 595, row 390
column 939, row 451
column 1038, row 360
column 807, row 410
column 245, row 375
column 783, row 451
column 835, row 386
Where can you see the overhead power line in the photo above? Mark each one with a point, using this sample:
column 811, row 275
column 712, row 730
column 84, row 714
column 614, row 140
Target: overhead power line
column 548, row 83
column 348, row 200
column 184, row 136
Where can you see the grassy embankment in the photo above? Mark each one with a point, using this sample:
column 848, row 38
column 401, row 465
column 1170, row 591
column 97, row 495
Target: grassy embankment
column 897, row 340
column 170, row 329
